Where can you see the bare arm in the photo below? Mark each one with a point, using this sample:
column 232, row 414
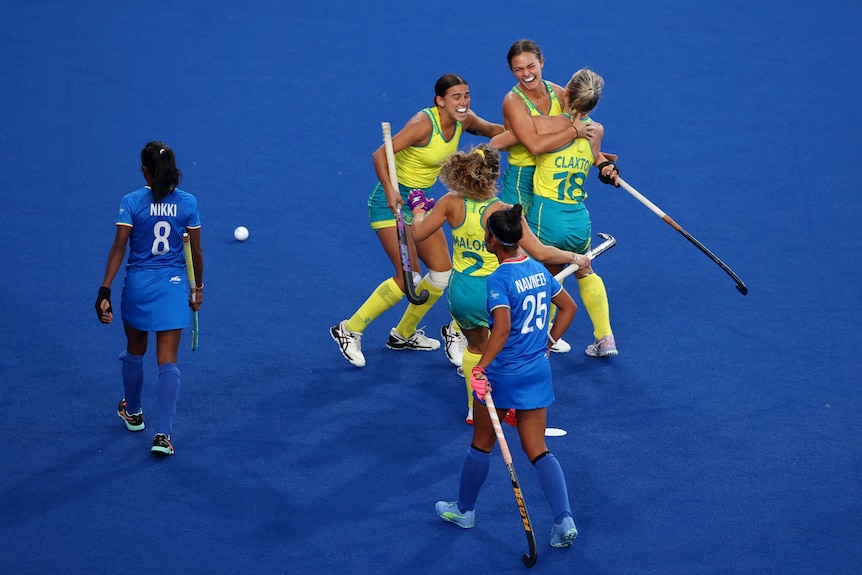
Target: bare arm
column 517, row 119
column 566, row 308
column 417, row 131
column 198, row 263
column 499, row 334
column 116, row 254
column 610, row 170
column 480, row 126
column 426, row 223
column 115, row 259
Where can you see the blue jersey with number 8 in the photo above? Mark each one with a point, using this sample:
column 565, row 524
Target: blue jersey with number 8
column 156, row 240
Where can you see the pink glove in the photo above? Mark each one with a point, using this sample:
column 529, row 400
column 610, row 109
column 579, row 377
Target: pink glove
column 417, row 200
column 479, row 382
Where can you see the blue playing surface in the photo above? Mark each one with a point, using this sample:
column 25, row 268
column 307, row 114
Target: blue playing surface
column 725, row 438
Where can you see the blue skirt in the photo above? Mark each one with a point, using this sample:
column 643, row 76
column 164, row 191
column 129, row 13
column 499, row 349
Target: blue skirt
column 156, row 300
column 527, row 386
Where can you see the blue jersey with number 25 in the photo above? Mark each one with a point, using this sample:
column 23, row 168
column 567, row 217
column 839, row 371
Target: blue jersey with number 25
column 526, row 287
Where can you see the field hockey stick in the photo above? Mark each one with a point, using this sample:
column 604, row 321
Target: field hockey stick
column 529, row 560
column 740, row 286
column 406, row 271
column 190, row 269
column 610, row 241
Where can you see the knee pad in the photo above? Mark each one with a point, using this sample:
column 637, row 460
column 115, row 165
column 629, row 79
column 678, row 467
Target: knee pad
column 439, row 280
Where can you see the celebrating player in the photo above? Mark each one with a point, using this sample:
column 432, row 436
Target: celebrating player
column 471, row 178
column 422, row 145
column 532, row 96
column 559, row 216
column 156, row 293
column 515, row 362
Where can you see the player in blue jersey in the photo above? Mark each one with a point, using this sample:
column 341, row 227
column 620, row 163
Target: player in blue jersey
column 156, row 291
column 515, row 361
column 471, row 180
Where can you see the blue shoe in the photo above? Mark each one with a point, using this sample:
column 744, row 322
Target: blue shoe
column 449, row 511
column 564, row 533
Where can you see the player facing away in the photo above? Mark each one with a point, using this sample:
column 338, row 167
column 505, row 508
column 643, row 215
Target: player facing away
column 515, row 362
column 156, row 291
column 471, row 181
column 429, row 137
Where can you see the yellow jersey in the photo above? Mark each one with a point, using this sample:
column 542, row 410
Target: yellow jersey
column 560, row 175
column 470, row 255
column 419, row 166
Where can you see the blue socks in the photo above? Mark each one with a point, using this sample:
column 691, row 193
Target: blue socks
column 553, row 483
column 133, row 380
column 473, row 475
column 169, row 391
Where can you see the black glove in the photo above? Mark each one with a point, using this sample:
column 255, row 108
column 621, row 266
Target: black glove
column 607, row 179
column 104, row 295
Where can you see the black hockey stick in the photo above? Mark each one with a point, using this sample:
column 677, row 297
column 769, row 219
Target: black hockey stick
column 406, row 270
column 740, row 286
column 529, row 560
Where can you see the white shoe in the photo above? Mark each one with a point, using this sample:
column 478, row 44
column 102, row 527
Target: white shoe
column 454, row 343
column 604, row 347
column 416, row 342
column 349, row 342
column 469, row 419
column 561, row 346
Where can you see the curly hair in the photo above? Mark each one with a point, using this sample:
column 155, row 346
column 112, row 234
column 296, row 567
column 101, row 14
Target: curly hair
column 472, row 174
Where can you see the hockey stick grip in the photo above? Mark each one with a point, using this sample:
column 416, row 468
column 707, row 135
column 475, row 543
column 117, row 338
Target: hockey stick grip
column 406, row 271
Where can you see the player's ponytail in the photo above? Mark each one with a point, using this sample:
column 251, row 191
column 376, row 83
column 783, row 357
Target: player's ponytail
column 160, row 162
column 505, row 225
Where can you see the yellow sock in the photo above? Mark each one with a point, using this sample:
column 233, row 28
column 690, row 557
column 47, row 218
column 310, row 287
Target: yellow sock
column 457, row 327
column 470, row 361
column 414, row 313
column 595, row 299
column 383, row 298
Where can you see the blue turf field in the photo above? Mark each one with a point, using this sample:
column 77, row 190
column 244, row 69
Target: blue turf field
column 726, row 437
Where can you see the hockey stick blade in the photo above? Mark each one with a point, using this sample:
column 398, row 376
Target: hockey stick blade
column 529, row 560
column 610, row 241
column 740, row 286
